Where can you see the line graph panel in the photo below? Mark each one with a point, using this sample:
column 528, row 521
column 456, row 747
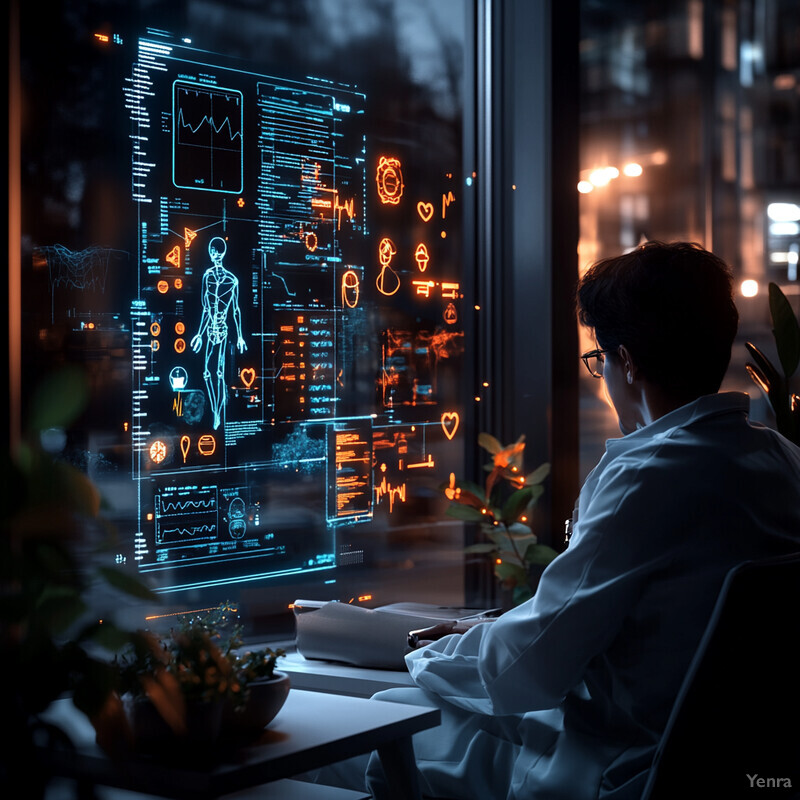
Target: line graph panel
column 207, row 138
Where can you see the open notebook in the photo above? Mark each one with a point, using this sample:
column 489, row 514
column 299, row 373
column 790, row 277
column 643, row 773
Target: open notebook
column 368, row 637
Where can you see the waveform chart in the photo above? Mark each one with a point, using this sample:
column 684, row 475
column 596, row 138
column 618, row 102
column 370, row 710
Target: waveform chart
column 207, row 138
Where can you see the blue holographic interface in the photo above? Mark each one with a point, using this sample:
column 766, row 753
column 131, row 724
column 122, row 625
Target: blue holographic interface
column 295, row 333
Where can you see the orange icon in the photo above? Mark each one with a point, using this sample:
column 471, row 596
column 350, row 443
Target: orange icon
column 240, row 202
column 389, row 179
column 450, row 420
column 350, row 288
column 348, row 207
column 422, row 257
column 188, row 237
column 180, row 345
column 185, row 442
column 158, row 451
column 423, row 287
column 155, row 344
column 452, row 492
column 206, row 445
column 450, row 314
column 162, row 287
column 311, row 241
column 386, row 252
column 425, row 211
column 174, row 256
column 446, row 200
column 155, row 329
column 450, row 290
column 248, row 375
column 178, row 283
column 180, row 328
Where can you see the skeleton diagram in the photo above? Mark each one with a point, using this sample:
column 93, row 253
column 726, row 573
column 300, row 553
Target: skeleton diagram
column 220, row 295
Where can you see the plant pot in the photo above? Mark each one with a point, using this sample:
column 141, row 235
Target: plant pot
column 152, row 734
column 265, row 699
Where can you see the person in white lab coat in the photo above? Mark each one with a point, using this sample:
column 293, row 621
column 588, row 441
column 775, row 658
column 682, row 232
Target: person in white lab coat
column 566, row 695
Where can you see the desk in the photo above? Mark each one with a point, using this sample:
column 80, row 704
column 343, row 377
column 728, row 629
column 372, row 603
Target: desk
column 313, row 729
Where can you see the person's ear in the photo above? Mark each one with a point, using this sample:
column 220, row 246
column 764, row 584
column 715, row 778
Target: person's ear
column 628, row 363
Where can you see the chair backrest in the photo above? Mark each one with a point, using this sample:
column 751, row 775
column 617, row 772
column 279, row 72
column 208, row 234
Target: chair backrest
column 735, row 725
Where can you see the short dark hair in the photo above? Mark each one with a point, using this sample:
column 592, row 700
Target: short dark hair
column 671, row 305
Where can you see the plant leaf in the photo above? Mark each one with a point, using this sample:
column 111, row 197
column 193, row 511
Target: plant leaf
column 538, row 475
column 466, row 513
column 516, row 504
column 481, row 547
column 770, row 374
column 539, row 554
column 488, row 442
column 786, row 330
column 126, row 583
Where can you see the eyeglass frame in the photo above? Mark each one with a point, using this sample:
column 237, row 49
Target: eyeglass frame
column 594, row 354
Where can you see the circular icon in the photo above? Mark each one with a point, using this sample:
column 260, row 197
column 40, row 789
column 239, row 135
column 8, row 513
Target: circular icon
column 158, row 451
column 162, row 287
column 237, row 518
column 311, row 241
column 178, row 379
column 206, row 445
column 155, row 329
column 180, row 328
column 180, row 345
column 389, row 180
column 154, row 345
column 178, row 283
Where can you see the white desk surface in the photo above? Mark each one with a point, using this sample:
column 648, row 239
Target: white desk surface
column 312, row 729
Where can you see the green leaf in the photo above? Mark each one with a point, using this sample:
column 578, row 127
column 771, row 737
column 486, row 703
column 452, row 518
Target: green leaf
column 126, row 583
column 539, row 554
column 472, row 488
column 481, row 547
column 538, row 475
column 58, row 399
column 489, row 442
column 786, row 330
column 511, row 574
column 466, row 513
column 516, row 504
column 770, row 374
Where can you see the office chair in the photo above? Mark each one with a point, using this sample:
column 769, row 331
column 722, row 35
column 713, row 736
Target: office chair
column 734, row 730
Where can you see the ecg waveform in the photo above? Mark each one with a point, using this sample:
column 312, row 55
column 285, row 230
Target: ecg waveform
column 187, row 506
column 208, row 139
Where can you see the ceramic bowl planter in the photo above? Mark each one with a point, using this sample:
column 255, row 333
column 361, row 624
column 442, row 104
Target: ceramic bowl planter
column 265, row 699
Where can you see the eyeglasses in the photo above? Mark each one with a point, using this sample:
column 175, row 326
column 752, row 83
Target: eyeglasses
column 594, row 360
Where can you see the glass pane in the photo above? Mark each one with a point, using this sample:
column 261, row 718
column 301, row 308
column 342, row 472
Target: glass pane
column 244, row 221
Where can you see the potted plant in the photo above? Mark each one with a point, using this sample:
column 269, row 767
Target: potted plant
column 773, row 382
column 502, row 508
column 55, row 553
column 193, row 685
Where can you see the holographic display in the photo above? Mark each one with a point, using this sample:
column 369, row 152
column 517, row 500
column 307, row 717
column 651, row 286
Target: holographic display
column 294, row 317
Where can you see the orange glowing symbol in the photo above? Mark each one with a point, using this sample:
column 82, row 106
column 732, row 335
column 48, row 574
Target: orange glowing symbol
column 450, row 420
column 188, row 237
column 180, row 328
column 180, row 345
column 206, row 445
column 350, row 288
column 311, row 241
column 178, row 284
column 421, row 256
column 425, row 211
column 158, row 451
column 450, row 290
column 348, row 206
column 154, row 345
column 446, row 200
column 185, row 442
column 163, row 287
column 174, row 256
column 248, row 375
column 389, row 179
column 240, row 202
column 450, row 314
column 155, row 329
column 101, row 37
column 386, row 252
column 423, row 287
column 452, row 492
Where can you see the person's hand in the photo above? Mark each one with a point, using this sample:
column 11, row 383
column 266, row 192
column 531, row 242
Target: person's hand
column 425, row 636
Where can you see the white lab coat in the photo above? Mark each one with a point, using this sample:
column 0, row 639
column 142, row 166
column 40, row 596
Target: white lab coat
column 566, row 695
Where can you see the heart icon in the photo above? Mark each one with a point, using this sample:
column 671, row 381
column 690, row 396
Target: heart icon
column 425, row 211
column 248, row 375
column 450, row 420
